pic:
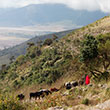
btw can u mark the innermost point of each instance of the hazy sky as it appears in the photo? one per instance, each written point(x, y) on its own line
point(103, 5)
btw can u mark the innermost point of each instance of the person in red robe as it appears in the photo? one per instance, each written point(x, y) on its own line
point(87, 81)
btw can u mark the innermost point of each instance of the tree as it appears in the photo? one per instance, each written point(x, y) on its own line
point(89, 52)
point(48, 42)
point(104, 50)
point(54, 37)
point(30, 44)
point(95, 54)
point(89, 49)
point(34, 51)
point(20, 59)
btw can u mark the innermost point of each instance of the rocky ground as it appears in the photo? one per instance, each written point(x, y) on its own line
point(103, 104)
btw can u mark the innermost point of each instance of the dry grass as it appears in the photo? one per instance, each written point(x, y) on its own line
point(73, 73)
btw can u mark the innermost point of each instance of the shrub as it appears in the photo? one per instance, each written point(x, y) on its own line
point(67, 55)
point(20, 59)
point(33, 51)
point(9, 103)
point(107, 93)
point(68, 40)
point(50, 101)
point(48, 42)
point(16, 84)
point(89, 49)
point(85, 101)
point(13, 76)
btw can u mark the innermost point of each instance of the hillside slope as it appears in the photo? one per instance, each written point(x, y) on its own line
point(55, 62)
point(21, 49)
point(58, 57)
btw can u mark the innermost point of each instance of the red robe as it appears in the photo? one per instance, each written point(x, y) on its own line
point(87, 81)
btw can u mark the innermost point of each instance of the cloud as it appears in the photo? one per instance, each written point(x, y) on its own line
point(90, 5)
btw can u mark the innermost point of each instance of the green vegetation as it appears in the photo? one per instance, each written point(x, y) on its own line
point(44, 64)
point(38, 65)
point(6, 54)
point(95, 55)
point(66, 59)
point(89, 49)
point(85, 101)
point(48, 42)
point(9, 103)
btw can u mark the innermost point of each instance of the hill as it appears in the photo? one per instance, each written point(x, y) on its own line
point(21, 48)
point(54, 62)
point(57, 57)
point(50, 14)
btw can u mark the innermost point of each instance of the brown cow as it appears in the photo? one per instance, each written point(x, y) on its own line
point(54, 89)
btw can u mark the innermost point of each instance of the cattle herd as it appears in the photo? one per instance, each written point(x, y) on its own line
point(38, 94)
point(71, 84)
point(45, 92)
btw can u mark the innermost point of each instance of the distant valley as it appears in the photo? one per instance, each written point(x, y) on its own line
point(11, 36)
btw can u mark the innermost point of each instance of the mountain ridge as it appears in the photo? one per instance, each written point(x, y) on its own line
point(32, 14)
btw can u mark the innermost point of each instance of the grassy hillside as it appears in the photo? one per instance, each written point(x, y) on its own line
point(48, 62)
point(15, 51)
point(54, 62)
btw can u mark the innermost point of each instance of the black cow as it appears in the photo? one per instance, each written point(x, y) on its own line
point(81, 82)
point(20, 96)
point(45, 92)
point(74, 83)
point(35, 95)
point(40, 94)
point(68, 85)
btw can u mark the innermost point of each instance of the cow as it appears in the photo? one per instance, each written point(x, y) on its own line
point(45, 92)
point(74, 83)
point(68, 85)
point(20, 96)
point(81, 82)
point(40, 94)
point(35, 95)
point(54, 89)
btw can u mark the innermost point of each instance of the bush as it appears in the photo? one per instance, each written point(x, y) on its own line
point(85, 101)
point(48, 42)
point(50, 101)
point(16, 84)
point(20, 59)
point(67, 55)
point(89, 48)
point(9, 103)
point(13, 76)
point(103, 76)
point(33, 51)
point(107, 93)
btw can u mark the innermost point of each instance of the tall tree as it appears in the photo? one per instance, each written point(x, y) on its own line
point(95, 54)
point(54, 37)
